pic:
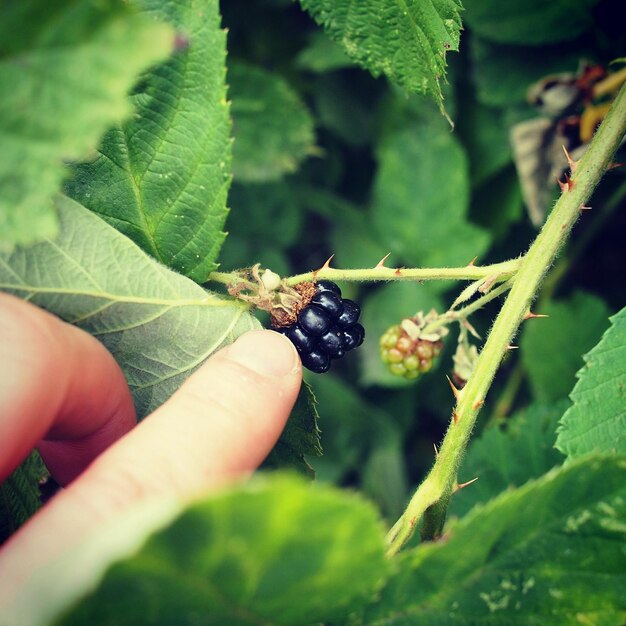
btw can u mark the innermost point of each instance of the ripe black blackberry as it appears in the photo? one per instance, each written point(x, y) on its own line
point(326, 327)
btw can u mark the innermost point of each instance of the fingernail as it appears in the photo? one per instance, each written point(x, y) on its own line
point(265, 352)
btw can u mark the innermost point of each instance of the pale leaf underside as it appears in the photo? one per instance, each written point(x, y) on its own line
point(159, 326)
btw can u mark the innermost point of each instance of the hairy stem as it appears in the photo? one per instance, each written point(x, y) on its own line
point(431, 499)
point(502, 271)
point(508, 395)
point(469, 272)
point(479, 303)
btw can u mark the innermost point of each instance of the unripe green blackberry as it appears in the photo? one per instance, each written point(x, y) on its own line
point(407, 350)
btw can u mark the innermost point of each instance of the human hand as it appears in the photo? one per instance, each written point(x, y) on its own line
point(61, 391)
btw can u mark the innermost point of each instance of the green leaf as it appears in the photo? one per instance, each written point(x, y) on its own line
point(551, 348)
point(159, 325)
point(272, 126)
point(352, 235)
point(352, 428)
point(322, 55)
point(550, 552)
point(503, 74)
point(421, 198)
point(65, 70)
point(529, 22)
point(163, 177)
point(275, 551)
point(301, 436)
point(406, 41)
point(385, 478)
point(497, 203)
point(388, 305)
point(597, 419)
point(509, 456)
point(346, 107)
point(270, 214)
point(19, 495)
point(485, 136)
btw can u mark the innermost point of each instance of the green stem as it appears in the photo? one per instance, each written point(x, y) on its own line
point(433, 495)
point(507, 397)
point(228, 278)
point(553, 280)
point(469, 272)
point(503, 271)
point(479, 303)
point(455, 316)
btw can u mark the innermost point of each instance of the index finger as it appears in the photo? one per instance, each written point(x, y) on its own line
point(61, 390)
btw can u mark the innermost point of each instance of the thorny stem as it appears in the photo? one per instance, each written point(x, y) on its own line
point(431, 499)
point(469, 272)
point(502, 271)
point(557, 273)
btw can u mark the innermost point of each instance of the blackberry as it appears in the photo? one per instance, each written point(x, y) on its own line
point(326, 326)
point(409, 349)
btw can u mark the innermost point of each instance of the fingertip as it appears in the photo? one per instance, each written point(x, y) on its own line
point(265, 352)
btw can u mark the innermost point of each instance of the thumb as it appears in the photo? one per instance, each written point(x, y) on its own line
point(220, 424)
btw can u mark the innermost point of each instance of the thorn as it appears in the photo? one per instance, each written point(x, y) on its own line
point(398, 272)
point(530, 315)
point(568, 185)
point(326, 266)
point(327, 263)
point(584, 208)
point(471, 329)
point(381, 263)
point(512, 347)
point(572, 164)
point(436, 450)
point(471, 263)
point(478, 404)
point(613, 166)
point(455, 417)
point(412, 522)
point(455, 391)
point(460, 486)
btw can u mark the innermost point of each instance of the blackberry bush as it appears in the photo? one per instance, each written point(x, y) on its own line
point(326, 325)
